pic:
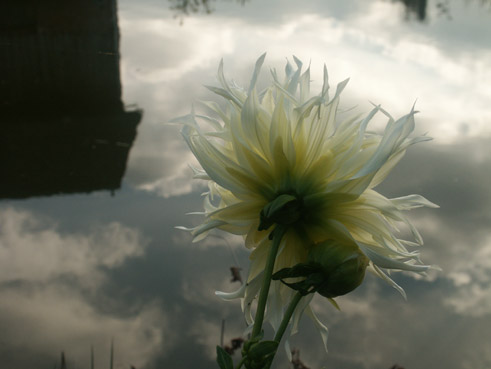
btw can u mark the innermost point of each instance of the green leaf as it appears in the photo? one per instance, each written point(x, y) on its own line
point(263, 350)
point(223, 359)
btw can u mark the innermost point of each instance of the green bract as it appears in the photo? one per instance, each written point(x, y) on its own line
point(284, 210)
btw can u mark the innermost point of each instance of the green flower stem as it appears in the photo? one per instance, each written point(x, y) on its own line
point(286, 318)
point(279, 232)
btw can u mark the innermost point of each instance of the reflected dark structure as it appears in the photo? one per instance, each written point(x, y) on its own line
point(64, 126)
point(415, 8)
point(186, 7)
point(418, 8)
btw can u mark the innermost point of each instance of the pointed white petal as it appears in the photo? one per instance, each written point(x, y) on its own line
point(324, 332)
point(232, 295)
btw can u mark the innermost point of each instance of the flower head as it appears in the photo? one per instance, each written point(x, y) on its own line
point(282, 156)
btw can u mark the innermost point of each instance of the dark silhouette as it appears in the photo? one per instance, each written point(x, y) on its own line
point(64, 127)
point(184, 8)
point(296, 362)
point(415, 7)
point(236, 277)
point(235, 344)
point(63, 362)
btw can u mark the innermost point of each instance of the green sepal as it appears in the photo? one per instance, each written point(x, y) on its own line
point(285, 210)
point(248, 344)
point(263, 350)
point(334, 303)
point(311, 272)
point(309, 285)
point(298, 270)
point(224, 360)
point(260, 355)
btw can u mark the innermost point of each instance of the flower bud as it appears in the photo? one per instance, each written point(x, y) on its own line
point(342, 264)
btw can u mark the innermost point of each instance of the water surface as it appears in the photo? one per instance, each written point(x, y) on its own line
point(95, 180)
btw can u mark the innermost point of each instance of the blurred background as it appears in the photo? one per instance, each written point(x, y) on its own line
point(94, 180)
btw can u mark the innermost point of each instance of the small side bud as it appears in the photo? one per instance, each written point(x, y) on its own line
point(342, 264)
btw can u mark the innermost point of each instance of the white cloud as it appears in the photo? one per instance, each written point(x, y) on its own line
point(464, 254)
point(33, 249)
point(178, 182)
point(59, 319)
point(164, 67)
point(51, 284)
point(472, 280)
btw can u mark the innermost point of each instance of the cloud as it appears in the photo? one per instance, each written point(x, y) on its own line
point(389, 63)
point(472, 280)
point(53, 318)
point(51, 292)
point(442, 64)
point(457, 236)
point(33, 249)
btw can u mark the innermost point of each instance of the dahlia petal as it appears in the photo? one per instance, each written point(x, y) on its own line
point(288, 349)
point(322, 329)
point(386, 168)
point(205, 227)
point(304, 85)
point(232, 295)
point(227, 89)
point(274, 312)
point(390, 263)
point(212, 161)
point(199, 173)
point(412, 202)
point(224, 93)
point(392, 138)
point(302, 305)
point(257, 70)
point(252, 289)
point(325, 84)
point(389, 280)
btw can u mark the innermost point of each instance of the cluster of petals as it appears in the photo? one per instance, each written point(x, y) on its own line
point(282, 140)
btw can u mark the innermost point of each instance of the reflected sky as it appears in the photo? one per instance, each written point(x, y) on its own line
point(79, 270)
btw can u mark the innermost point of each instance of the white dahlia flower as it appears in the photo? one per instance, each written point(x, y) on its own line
point(283, 141)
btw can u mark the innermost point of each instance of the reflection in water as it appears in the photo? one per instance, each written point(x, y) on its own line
point(186, 7)
point(419, 8)
point(62, 290)
point(54, 295)
point(416, 7)
point(64, 125)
